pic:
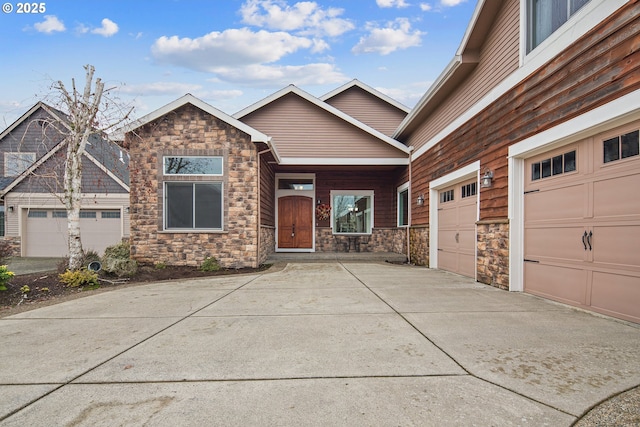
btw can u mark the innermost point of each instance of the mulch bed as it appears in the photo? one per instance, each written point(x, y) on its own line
point(46, 288)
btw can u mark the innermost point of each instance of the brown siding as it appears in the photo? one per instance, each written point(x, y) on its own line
point(267, 191)
point(300, 129)
point(368, 109)
point(595, 70)
point(499, 57)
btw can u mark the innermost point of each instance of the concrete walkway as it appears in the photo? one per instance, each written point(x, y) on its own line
point(312, 344)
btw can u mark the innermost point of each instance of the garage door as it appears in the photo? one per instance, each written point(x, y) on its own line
point(582, 224)
point(45, 232)
point(457, 216)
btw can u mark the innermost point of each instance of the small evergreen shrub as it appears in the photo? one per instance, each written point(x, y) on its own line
point(160, 265)
point(82, 277)
point(5, 276)
point(210, 264)
point(116, 260)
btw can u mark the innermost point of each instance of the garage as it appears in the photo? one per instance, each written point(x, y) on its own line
point(582, 223)
point(45, 231)
point(457, 216)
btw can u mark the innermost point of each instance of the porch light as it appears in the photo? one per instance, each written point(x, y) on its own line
point(487, 179)
point(420, 200)
point(10, 208)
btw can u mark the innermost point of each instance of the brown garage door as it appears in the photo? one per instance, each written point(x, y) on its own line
point(45, 233)
point(582, 224)
point(457, 215)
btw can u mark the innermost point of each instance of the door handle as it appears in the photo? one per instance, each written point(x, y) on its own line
point(584, 240)
point(293, 230)
point(589, 239)
point(457, 237)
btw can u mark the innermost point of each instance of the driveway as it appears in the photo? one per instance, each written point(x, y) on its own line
point(312, 344)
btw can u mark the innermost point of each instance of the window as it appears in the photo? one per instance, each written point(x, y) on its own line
point(352, 212)
point(621, 147)
point(110, 214)
point(37, 214)
point(59, 214)
point(403, 205)
point(16, 163)
point(2, 221)
point(193, 205)
point(446, 196)
point(469, 190)
point(546, 16)
point(88, 214)
point(300, 184)
point(192, 165)
point(556, 165)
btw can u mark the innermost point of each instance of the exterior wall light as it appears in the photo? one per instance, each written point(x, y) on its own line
point(126, 209)
point(11, 209)
point(420, 200)
point(487, 179)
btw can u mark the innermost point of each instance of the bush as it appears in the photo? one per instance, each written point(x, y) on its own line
point(210, 264)
point(5, 276)
point(116, 260)
point(82, 277)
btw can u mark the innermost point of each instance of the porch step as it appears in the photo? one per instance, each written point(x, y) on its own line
point(337, 256)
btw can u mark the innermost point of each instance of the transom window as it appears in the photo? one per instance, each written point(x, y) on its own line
point(16, 163)
point(193, 205)
point(193, 165)
point(446, 196)
point(621, 147)
point(299, 184)
point(556, 165)
point(546, 16)
point(352, 212)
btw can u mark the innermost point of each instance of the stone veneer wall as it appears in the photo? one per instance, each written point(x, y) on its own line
point(419, 238)
point(191, 131)
point(381, 240)
point(14, 243)
point(267, 242)
point(493, 253)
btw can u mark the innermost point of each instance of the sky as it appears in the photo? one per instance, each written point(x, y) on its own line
point(229, 53)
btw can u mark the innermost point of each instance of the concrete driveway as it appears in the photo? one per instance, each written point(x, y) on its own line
point(312, 344)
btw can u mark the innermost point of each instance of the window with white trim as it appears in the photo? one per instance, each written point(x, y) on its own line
point(403, 205)
point(546, 16)
point(16, 163)
point(352, 212)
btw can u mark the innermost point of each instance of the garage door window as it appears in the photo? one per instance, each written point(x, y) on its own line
point(88, 214)
point(621, 147)
point(37, 214)
point(446, 196)
point(556, 165)
point(111, 215)
point(59, 214)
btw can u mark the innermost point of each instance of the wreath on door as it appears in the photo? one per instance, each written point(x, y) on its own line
point(323, 212)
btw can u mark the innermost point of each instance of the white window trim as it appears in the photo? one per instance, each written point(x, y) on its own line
point(365, 193)
point(609, 116)
point(164, 159)
point(192, 230)
point(402, 188)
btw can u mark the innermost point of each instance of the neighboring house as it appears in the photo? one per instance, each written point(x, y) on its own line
point(33, 151)
point(527, 154)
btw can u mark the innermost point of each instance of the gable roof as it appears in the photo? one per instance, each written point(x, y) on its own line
point(292, 89)
point(366, 88)
point(54, 112)
point(256, 136)
point(463, 63)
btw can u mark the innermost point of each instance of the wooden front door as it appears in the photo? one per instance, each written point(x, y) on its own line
point(295, 222)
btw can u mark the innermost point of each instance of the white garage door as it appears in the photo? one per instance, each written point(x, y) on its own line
point(457, 216)
point(582, 224)
point(45, 233)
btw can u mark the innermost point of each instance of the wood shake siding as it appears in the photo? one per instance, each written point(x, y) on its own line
point(267, 191)
point(368, 109)
point(498, 57)
point(598, 68)
point(300, 129)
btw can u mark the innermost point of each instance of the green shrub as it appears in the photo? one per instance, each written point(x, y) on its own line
point(116, 260)
point(160, 265)
point(5, 276)
point(210, 264)
point(82, 277)
point(119, 250)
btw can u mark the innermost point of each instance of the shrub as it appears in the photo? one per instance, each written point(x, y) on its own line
point(116, 260)
point(5, 276)
point(82, 277)
point(210, 264)
point(160, 265)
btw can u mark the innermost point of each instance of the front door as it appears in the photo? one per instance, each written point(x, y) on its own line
point(295, 222)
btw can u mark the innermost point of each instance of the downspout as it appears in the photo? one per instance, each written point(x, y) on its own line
point(410, 196)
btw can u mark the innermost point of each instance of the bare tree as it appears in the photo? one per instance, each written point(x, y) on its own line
point(83, 109)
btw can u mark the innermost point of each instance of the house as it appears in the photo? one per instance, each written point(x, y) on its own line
point(34, 221)
point(266, 172)
point(526, 157)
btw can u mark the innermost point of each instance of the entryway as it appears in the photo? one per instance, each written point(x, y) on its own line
point(295, 222)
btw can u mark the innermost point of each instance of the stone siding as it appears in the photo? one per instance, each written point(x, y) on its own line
point(14, 245)
point(380, 240)
point(267, 242)
point(189, 131)
point(419, 238)
point(493, 253)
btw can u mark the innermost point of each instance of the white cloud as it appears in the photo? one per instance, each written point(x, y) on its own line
point(51, 24)
point(108, 28)
point(392, 3)
point(282, 75)
point(397, 35)
point(303, 17)
point(409, 94)
point(230, 48)
point(425, 7)
point(451, 3)
point(160, 88)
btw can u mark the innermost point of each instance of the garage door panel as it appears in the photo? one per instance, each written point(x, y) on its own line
point(555, 282)
point(447, 260)
point(467, 214)
point(617, 197)
point(616, 295)
point(467, 240)
point(467, 264)
point(447, 218)
point(447, 240)
point(560, 203)
point(557, 243)
point(617, 245)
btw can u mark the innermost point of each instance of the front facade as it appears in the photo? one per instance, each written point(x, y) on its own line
point(540, 130)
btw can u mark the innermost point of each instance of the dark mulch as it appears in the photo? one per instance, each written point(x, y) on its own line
point(46, 289)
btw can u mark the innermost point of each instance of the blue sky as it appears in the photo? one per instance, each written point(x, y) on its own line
point(229, 53)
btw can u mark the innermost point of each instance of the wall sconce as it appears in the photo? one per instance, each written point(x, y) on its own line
point(319, 202)
point(126, 209)
point(487, 179)
point(420, 200)
point(11, 209)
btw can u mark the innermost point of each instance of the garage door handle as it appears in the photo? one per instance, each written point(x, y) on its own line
point(584, 240)
point(457, 237)
point(589, 239)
